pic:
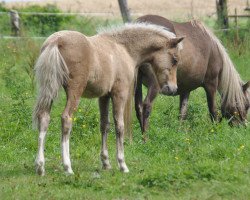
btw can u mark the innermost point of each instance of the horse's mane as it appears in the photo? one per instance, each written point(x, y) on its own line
point(230, 83)
point(114, 29)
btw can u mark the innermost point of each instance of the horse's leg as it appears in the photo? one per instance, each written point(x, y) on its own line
point(147, 104)
point(43, 123)
point(184, 105)
point(104, 128)
point(210, 88)
point(73, 99)
point(138, 100)
point(118, 101)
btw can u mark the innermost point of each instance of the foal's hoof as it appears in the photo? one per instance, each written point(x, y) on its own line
point(69, 172)
point(40, 170)
point(106, 167)
point(124, 170)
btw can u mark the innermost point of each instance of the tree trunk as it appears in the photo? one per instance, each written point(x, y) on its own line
point(124, 10)
point(221, 6)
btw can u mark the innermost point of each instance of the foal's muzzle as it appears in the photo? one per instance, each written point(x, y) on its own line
point(169, 89)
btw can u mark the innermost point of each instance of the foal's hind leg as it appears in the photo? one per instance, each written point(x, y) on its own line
point(104, 128)
point(119, 100)
point(73, 99)
point(184, 105)
point(43, 123)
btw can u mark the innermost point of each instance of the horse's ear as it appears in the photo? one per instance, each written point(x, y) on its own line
point(246, 86)
point(172, 43)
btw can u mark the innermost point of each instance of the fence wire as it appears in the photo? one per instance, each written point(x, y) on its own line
point(39, 25)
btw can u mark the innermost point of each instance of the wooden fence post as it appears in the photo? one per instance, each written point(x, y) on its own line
point(221, 6)
point(236, 27)
point(15, 22)
point(124, 10)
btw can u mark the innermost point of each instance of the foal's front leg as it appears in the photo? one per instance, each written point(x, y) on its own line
point(104, 128)
point(119, 101)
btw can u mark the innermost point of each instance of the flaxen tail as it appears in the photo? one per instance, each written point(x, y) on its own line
point(51, 73)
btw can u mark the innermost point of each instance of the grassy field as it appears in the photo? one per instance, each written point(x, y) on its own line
point(194, 159)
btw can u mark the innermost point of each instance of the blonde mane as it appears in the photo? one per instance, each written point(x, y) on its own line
point(118, 29)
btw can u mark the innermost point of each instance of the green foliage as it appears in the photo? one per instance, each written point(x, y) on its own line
point(4, 20)
point(43, 25)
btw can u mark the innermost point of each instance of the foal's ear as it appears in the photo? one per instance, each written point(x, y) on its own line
point(246, 86)
point(172, 43)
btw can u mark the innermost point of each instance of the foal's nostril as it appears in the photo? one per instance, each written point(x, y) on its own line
point(169, 89)
point(175, 89)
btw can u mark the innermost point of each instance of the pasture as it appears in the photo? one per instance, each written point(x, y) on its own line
point(194, 159)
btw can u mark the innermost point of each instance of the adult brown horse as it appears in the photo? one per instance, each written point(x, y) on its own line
point(102, 66)
point(203, 62)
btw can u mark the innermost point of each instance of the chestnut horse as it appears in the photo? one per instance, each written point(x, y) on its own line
point(103, 66)
point(203, 62)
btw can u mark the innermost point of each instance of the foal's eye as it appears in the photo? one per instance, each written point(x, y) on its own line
point(174, 61)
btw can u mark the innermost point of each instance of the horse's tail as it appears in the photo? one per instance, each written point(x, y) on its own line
point(230, 83)
point(51, 73)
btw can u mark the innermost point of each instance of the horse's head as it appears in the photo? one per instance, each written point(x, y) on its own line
point(246, 91)
point(164, 62)
point(235, 114)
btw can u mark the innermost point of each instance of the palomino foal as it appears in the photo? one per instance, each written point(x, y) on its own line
point(102, 66)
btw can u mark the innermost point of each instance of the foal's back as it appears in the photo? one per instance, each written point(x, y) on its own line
point(92, 59)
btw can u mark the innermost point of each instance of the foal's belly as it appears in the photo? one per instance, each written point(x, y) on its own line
point(96, 90)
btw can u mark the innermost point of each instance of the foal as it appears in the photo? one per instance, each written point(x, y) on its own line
point(103, 66)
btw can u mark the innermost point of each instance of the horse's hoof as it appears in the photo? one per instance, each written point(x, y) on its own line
point(144, 139)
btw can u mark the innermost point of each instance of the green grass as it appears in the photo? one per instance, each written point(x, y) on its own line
point(194, 159)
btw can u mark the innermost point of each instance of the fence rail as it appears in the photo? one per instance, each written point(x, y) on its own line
point(70, 14)
point(44, 37)
point(241, 16)
point(108, 14)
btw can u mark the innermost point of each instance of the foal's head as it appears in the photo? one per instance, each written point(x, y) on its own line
point(238, 114)
point(164, 61)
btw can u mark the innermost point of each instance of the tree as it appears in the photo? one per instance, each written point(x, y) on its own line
point(221, 6)
point(124, 10)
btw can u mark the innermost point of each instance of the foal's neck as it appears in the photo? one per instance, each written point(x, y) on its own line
point(138, 42)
